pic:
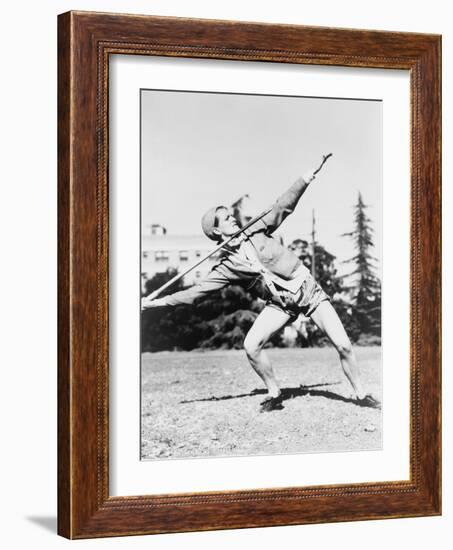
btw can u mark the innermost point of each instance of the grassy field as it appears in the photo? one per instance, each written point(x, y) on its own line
point(199, 404)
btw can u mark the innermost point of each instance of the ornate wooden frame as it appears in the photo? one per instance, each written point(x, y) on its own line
point(85, 41)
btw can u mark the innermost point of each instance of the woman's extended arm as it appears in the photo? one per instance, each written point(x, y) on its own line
point(215, 280)
point(287, 202)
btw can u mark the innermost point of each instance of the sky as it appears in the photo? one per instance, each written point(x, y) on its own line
point(204, 149)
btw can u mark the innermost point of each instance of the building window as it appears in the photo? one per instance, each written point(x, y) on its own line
point(161, 255)
point(183, 255)
point(157, 229)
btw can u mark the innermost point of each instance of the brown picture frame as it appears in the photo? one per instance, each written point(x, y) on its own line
point(85, 42)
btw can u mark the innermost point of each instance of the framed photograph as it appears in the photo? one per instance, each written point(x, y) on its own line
point(249, 275)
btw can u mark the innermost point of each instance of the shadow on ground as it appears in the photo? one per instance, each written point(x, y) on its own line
point(291, 393)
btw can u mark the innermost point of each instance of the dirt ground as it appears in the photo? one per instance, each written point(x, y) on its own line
point(199, 404)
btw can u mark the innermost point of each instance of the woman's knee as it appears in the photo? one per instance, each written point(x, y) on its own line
point(252, 346)
point(344, 348)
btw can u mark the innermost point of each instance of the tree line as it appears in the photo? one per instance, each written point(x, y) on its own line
point(222, 319)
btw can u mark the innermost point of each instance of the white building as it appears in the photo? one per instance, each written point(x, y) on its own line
point(161, 251)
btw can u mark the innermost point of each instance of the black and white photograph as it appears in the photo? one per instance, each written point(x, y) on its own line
point(260, 274)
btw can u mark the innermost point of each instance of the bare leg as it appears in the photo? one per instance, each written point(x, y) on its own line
point(326, 318)
point(268, 322)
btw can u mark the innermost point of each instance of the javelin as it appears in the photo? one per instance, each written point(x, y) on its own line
point(223, 244)
point(156, 293)
point(324, 159)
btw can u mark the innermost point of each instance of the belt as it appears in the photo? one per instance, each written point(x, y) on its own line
point(292, 285)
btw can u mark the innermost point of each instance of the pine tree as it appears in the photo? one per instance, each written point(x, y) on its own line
point(365, 286)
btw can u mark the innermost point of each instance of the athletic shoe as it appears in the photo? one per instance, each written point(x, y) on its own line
point(272, 404)
point(368, 401)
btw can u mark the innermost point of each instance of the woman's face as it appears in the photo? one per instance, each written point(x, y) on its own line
point(226, 223)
